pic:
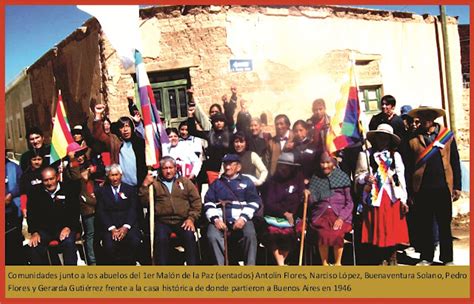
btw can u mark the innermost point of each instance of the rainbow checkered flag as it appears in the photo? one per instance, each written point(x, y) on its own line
point(345, 128)
point(61, 133)
point(155, 134)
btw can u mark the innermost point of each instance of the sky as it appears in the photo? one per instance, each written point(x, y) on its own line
point(30, 31)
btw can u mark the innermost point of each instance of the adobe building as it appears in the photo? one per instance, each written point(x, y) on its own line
point(281, 59)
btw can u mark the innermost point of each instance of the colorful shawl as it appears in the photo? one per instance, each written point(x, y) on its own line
point(384, 161)
point(443, 137)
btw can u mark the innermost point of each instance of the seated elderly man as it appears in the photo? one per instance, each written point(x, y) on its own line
point(241, 200)
point(53, 214)
point(117, 213)
point(177, 208)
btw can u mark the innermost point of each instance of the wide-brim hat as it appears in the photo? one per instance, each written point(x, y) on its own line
point(416, 112)
point(383, 129)
point(287, 159)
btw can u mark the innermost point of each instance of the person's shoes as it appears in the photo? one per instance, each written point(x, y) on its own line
point(449, 264)
point(384, 263)
point(393, 259)
point(423, 263)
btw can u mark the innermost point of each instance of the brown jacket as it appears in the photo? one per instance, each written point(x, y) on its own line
point(273, 152)
point(87, 200)
point(113, 144)
point(173, 208)
point(111, 141)
point(417, 146)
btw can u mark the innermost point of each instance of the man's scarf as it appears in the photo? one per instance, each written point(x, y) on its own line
point(321, 187)
point(443, 137)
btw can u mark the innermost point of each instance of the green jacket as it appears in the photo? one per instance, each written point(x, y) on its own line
point(173, 208)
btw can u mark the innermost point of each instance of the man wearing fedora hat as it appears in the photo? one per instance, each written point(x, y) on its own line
point(435, 182)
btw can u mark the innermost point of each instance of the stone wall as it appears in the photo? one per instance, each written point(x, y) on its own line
point(299, 54)
point(463, 127)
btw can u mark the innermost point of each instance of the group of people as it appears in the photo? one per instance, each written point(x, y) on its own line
point(398, 187)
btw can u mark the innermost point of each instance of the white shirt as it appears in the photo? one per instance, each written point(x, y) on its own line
point(194, 143)
point(284, 139)
point(185, 158)
point(55, 191)
point(393, 192)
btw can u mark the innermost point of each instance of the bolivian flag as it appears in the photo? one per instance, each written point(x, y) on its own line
point(61, 133)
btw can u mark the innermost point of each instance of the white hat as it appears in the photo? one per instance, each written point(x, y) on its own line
point(383, 129)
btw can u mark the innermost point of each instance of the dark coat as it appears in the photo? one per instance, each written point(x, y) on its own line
point(44, 151)
point(52, 215)
point(280, 196)
point(396, 122)
point(112, 213)
point(219, 145)
point(307, 155)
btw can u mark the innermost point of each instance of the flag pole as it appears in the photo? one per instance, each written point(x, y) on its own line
point(364, 140)
point(151, 210)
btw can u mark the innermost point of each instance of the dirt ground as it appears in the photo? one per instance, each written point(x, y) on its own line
point(460, 229)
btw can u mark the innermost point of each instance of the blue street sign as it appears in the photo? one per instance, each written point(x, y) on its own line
point(240, 65)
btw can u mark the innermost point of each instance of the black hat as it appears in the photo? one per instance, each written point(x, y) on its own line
point(218, 117)
point(239, 135)
point(287, 158)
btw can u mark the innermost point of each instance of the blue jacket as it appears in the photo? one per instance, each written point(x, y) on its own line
point(242, 196)
point(12, 185)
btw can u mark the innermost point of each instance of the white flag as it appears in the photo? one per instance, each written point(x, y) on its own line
point(120, 24)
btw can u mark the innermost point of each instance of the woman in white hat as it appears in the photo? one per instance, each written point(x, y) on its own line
point(380, 172)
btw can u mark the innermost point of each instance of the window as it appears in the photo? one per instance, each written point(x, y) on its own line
point(369, 97)
point(9, 131)
point(369, 79)
point(169, 89)
point(18, 121)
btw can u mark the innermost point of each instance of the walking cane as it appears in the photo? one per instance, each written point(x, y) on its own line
point(226, 257)
point(303, 228)
point(151, 210)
